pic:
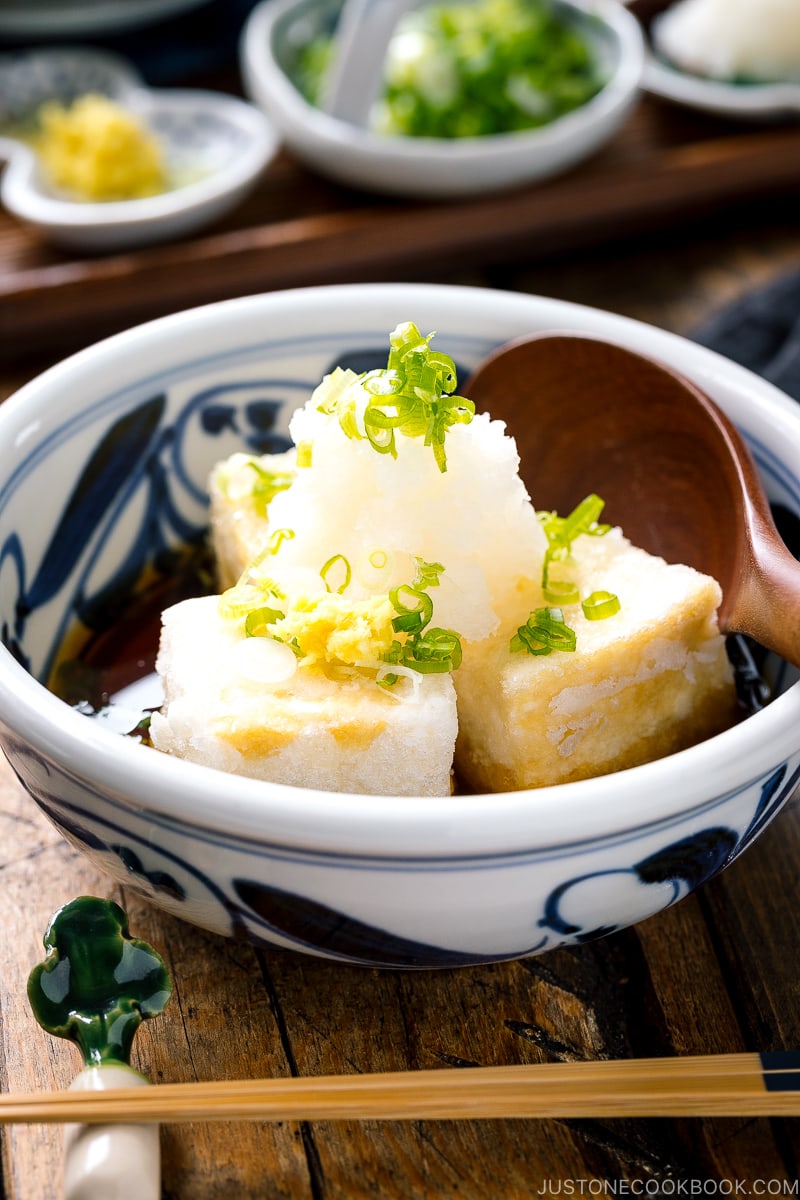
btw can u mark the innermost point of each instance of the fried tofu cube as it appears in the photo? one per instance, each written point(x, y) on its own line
point(241, 488)
point(648, 681)
point(238, 704)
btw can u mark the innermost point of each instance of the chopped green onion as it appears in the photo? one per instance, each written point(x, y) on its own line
point(411, 396)
point(268, 484)
point(237, 601)
point(337, 561)
point(561, 532)
point(293, 645)
point(544, 631)
point(561, 591)
point(438, 650)
point(467, 70)
point(251, 574)
point(600, 605)
point(246, 595)
point(414, 616)
point(428, 651)
point(395, 654)
point(379, 427)
point(303, 458)
point(341, 401)
point(258, 619)
point(582, 519)
point(375, 569)
point(427, 574)
point(277, 539)
point(434, 652)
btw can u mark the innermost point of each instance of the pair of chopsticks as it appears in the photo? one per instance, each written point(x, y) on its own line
point(723, 1085)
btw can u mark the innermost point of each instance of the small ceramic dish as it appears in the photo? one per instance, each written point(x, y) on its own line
point(49, 18)
point(436, 167)
point(217, 142)
point(753, 101)
point(104, 463)
point(737, 100)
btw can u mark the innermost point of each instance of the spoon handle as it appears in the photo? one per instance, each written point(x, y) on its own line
point(356, 71)
point(766, 603)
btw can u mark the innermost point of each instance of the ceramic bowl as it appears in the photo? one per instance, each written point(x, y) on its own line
point(218, 143)
point(49, 18)
point(103, 468)
point(740, 101)
point(435, 167)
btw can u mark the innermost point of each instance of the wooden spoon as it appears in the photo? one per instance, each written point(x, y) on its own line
point(591, 416)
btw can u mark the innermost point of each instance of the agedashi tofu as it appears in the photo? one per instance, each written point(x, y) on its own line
point(241, 489)
point(650, 680)
point(234, 708)
point(395, 617)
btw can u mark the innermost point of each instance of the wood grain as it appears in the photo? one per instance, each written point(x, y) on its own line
point(719, 1085)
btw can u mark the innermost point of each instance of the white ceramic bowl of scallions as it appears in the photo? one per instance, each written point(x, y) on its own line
point(477, 96)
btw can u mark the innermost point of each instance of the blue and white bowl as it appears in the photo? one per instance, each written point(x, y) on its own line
point(103, 467)
point(215, 146)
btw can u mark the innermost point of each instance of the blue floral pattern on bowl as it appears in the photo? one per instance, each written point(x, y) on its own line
point(127, 487)
point(250, 893)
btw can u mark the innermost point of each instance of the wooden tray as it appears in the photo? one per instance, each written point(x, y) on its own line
point(665, 165)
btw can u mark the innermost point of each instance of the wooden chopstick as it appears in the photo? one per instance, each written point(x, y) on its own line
point(723, 1085)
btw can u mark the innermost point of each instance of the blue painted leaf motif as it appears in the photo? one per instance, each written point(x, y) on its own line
point(692, 860)
point(160, 881)
point(262, 416)
point(12, 549)
point(254, 424)
point(315, 925)
point(81, 835)
point(106, 472)
point(553, 917)
point(81, 829)
point(218, 417)
point(774, 794)
point(684, 864)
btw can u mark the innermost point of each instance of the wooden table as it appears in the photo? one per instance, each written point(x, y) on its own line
point(717, 973)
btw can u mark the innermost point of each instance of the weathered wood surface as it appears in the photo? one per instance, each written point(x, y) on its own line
point(719, 972)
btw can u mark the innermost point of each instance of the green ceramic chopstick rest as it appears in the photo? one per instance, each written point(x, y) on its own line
point(95, 987)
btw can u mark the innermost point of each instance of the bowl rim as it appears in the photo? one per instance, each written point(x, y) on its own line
point(756, 99)
point(389, 827)
point(260, 64)
point(761, 101)
point(87, 17)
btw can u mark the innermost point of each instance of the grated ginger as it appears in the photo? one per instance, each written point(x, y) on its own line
point(99, 151)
